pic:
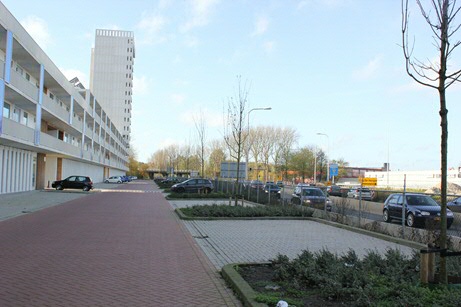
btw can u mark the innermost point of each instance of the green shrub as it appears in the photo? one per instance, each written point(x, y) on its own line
point(376, 280)
point(213, 195)
point(240, 211)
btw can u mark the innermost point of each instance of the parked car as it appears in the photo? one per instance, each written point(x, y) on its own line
point(114, 179)
point(355, 193)
point(74, 182)
point(133, 177)
point(419, 209)
point(256, 184)
point(272, 188)
point(455, 205)
point(280, 183)
point(171, 180)
point(334, 190)
point(125, 179)
point(312, 197)
point(195, 185)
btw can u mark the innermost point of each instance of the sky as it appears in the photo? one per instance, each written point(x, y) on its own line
point(334, 67)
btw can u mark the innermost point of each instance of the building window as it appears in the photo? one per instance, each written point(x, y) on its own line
point(25, 118)
point(19, 70)
point(27, 77)
point(16, 115)
point(6, 110)
point(51, 96)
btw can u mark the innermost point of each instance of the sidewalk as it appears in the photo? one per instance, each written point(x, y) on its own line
point(123, 247)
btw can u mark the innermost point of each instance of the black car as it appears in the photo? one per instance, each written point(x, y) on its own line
point(74, 182)
point(312, 197)
point(334, 190)
point(272, 188)
point(455, 205)
point(420, 209)
point(196, 185)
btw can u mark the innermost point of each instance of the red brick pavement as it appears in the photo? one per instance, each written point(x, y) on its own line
point(106, 249)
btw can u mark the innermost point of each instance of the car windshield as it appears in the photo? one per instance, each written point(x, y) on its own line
point(312, 192)
point(420, 200)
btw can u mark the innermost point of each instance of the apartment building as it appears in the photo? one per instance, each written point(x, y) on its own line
point(50, 128)
point(111, 77)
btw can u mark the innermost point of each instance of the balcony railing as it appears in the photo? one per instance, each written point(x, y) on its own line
point(17, 131)
point(54, 108)
point(24, 86)
point(56, 144)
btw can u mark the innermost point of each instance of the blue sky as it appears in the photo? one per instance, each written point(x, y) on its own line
point(329, 66)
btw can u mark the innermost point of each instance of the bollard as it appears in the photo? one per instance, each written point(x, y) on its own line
point(427, 266)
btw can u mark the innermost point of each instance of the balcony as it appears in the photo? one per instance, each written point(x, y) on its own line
point(17, 132)
point(53, 107)
point(24, 86)
point(57, 145)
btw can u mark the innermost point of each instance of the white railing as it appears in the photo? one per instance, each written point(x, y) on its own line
point(54, 108)
point(17, 131)
point(57, 145)
point(23, 85)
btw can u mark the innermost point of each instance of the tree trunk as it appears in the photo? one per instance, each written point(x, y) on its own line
point(444, 146)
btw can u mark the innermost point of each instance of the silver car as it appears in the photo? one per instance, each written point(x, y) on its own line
point(355, 193)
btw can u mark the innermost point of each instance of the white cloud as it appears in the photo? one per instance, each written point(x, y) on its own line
point(200, 11)
point(140, 85)
point(72, 73)
point(261, 25)
point(152, 23)
point(369, 70)
point(269, 46)
point(38, 29)
point(191, 41)
point(177, 99)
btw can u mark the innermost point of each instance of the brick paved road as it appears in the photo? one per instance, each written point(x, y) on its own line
point(115, 248)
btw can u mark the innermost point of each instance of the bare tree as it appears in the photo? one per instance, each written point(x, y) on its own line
point(235, 126)
point(217, 156)
point(267, 148)
point(288, 140)
point(438, 76)
point(200, 125)
point(172, 153)
point(256, 135)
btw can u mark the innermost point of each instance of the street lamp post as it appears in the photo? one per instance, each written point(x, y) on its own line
point(328, 153)
point(248, 129)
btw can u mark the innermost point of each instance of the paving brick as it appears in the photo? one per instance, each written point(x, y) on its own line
point(123, 247)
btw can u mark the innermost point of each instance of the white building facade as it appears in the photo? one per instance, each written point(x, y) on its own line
point(49, 128)
point(414, 179)
point(112, 64)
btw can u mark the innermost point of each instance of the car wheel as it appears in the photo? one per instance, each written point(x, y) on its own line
point(86, 188)
point(181, 190)
point(59, 187)
point(410, 220)
point(119, 181)
point(207, 190)
point(107, 181)
point(386, 217)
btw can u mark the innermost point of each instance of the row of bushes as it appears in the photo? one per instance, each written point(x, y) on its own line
point(240, 211)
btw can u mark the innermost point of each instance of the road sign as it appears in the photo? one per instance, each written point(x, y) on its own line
point(333, 169)
point(368, 181)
